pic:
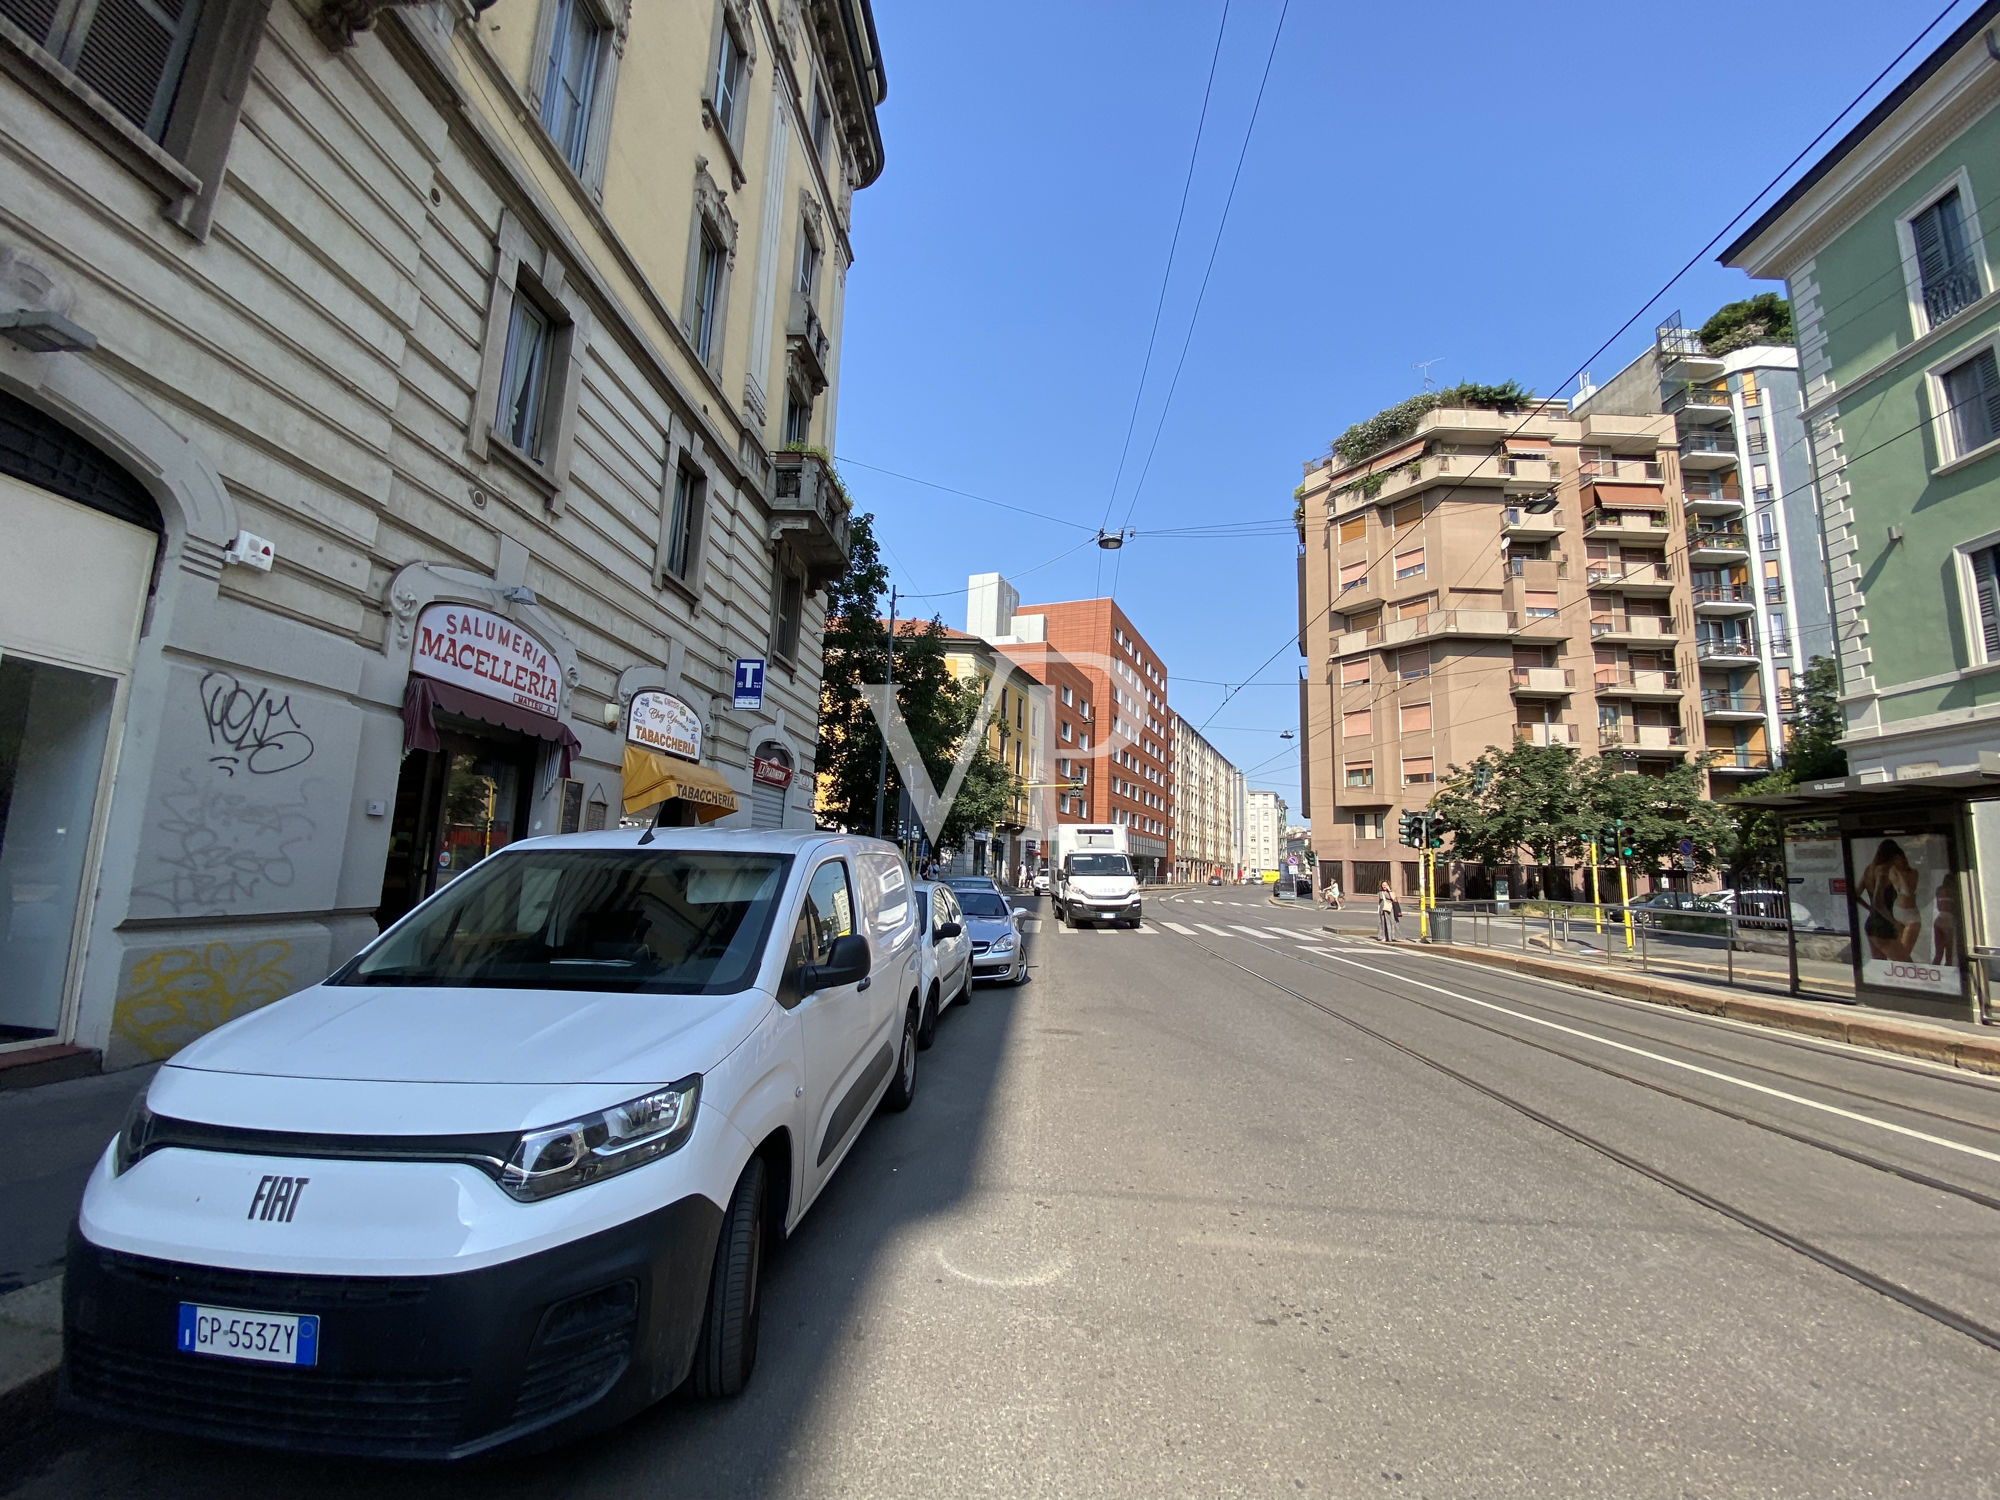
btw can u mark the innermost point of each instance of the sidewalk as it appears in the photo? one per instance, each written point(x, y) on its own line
point(55, 1133)
point(1960, 1044)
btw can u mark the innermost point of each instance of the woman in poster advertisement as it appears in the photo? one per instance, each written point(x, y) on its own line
point(1887, 892)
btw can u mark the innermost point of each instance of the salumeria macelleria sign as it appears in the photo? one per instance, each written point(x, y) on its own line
point(471, 648)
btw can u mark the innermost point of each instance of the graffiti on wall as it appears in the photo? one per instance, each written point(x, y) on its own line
point(220, 847)
point(177, 994)
point(251, 727)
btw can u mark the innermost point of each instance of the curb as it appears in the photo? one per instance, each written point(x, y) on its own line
point(1974, 1054)
point(30, 1355)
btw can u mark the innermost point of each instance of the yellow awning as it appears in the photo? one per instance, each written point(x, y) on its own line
point(651, 777)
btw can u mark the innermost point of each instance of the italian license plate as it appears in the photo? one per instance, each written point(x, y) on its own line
point(232, 1333)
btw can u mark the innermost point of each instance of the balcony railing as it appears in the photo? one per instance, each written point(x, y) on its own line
point(1774, 593)
point(1620, 468)
point(1713, 648)
point(1718, 535)
point(1720, 701)
point(1544, 679)
point(1950, 294)
point(1517, 567)
point(1707, 442)
point(1643, 736)
point(1653, 627)
point(1639, 680)
point(812, 512)
point(1724, 593)
point(1597, 518)
point(1545, 734)
point(1528, 466)
point(1518, 518)
point(1696, 395)
point(1742, 760)
point(1636, 575)
point(1437, 622)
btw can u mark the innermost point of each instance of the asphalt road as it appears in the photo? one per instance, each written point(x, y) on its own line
point(1168, 1220)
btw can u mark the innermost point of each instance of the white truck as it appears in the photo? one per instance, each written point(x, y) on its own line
point(1093, 879)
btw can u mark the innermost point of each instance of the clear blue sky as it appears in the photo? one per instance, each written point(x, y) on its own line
point(1493, 188)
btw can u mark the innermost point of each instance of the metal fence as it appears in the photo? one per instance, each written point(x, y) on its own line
point(1712, 946)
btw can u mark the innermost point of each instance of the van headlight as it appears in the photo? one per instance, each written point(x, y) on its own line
point(561, 1157)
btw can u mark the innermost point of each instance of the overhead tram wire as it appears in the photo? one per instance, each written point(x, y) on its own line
point(1215, 246)
point(1167, 272)
point(968, 495)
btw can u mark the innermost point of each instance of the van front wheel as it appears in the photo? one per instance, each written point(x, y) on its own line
point(727, 1352)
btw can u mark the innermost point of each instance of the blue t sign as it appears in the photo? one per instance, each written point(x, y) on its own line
point(749, 682)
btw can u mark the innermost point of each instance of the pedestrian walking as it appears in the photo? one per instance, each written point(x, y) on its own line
point(1389, 913)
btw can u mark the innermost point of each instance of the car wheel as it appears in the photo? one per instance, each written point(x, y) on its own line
point(965, 989)
point(927, 1028)
point(1020, 973)
point(727, 1351)
point(903, 1088)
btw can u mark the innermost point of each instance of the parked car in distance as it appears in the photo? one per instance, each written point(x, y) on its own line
point(1215, 880)
point(1041, 882)
point(973, 883)
point(507, 1175)
point(944, 954)
point(1763, 908)
point(998, 949)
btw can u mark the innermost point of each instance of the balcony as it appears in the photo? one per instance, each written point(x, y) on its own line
point(1362, 593)
point(1680, 349)
point(1774, 593)
point(1724, 598)
point(1717, 542)
point(1540, 572)
point(1538, 682)
point(1613, 630)
point(1708, 450)
point(1721, 704)
point(1545, 734)
point(1633, 578)
point(1488, 624)
point(1657, 738)
point(1625, 682)
point(807, 340)
point(1950, 294)
point(1742, 763)
point(1720, 500)
point(811, 514)
point(1621, 471)
point(1526, 473)
point(1525, 526)
point(1698, 403)
point(1726, 650)
point(1650, 524)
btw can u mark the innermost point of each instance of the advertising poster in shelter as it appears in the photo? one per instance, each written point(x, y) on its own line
point(1816, 877)
point(1906, 905)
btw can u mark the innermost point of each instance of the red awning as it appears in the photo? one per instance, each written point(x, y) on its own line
point(423, 697)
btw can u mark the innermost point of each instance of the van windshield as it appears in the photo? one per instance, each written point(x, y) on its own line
point(1099, 864)
point(671, 922)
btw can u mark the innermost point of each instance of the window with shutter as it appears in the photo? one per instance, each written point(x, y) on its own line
point(1986, 599)
point(1354, 673)
point(1353, 530)
point(1416, 718)
point(1972, 402)
point(130, 51)
point(1418, 769)
point(1407, 514)
point(1944, 269)
point(1410, 564)
point(1353, 575)
point(1355, 725)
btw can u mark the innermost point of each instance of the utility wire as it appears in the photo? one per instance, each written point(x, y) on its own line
point(967, 494)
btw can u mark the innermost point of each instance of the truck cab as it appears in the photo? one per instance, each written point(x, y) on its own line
point(1093, 879)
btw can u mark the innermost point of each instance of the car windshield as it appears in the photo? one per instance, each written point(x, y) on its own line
point(983, 904)
point(1099, 864)
point(671, 922)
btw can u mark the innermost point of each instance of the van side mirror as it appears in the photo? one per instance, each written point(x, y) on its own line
point(847, 962)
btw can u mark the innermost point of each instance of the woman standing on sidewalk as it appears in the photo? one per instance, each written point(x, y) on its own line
point(1389, 914)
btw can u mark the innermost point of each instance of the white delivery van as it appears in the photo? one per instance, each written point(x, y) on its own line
point(1093, 875)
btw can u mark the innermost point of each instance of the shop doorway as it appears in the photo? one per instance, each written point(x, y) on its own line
point(455, 806)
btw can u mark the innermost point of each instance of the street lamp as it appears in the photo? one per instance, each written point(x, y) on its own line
point(1111, 541)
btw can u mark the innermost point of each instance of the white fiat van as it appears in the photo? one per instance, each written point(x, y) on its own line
point(510, 1173)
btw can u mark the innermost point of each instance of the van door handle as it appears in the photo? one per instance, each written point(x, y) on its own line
point(864, 984)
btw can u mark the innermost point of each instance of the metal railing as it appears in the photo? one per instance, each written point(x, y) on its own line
point(1718, 534)
point(1648, 627)
point(1640, 679)
point(1724, 593)
point(1718, 701)
point(1708, 442)
point(1597, 518)
point(1950, 294)
point(1545, 734)
point(1635, 574)
point(1620, 468)
point(1695, 395)
point(1730, 759)
point(1708, 647)
point(1702, 941)
point(1643, 736)
point(1545, 679)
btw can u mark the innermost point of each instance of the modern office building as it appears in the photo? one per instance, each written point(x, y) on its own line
point(402, 415)
point(1209, 808)
point(1471, 576)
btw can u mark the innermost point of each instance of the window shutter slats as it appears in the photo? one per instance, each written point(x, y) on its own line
point(1928, 228)
point(132, 55)
point(1986, 587)
point(36, 17)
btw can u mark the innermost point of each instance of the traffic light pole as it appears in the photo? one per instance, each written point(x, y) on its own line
point(1596, 898)
point(1625, 901)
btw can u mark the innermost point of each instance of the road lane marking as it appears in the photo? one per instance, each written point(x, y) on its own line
point(1176, 927)
point(1216, 930)
point(1674, 1062)
point(1251, 931)
point(1280, 932)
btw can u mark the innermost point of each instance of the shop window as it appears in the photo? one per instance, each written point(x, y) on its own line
point(531, 364)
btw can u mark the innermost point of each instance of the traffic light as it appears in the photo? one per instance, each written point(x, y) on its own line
point(1406, 829)
point(1436, 840)
point(1618, 835)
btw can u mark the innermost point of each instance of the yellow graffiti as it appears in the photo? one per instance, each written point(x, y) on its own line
point(177, 994)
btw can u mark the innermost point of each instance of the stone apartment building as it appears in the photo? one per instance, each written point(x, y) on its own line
point(1263, 833)
point(1484, 578)
point(392, 405)
point(1209, 808)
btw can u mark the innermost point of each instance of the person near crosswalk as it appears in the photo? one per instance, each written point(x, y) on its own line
point(1333, 894)
point(1389, 913)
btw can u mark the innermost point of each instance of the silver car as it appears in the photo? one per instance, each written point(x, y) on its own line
point(944, 952)
point(999, 951)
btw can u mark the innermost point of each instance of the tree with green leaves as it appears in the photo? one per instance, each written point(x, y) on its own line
point(1658, 812)
point(938, 709)
point(1763, 319)
point(1505, 801)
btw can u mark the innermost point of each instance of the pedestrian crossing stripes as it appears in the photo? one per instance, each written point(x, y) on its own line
point(1248, 931)
point(1176, 927)
point(1217, 931)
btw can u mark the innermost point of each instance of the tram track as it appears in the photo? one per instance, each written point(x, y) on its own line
point(1819, 1254)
